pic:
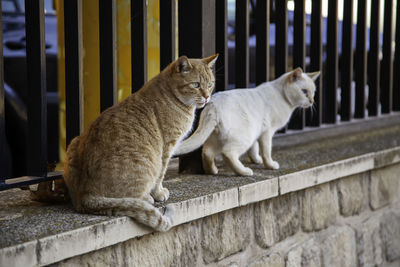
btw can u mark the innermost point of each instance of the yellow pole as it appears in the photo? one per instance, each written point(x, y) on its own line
point(91, 60)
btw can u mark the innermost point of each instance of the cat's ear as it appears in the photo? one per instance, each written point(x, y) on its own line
point(314, 75)
point(183, 65)
point(295, 74)
point(210, 61)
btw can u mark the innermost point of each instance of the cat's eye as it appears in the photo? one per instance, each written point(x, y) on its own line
point(210, 85)
point(195, 85)
point(304, 91)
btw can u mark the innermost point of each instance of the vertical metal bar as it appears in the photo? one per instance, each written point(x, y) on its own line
point(196, 39)
point(190, 28)
point(387, 60)
point(331, 63)
point(297, 121)
point(346, 66)
point(299, 28)
point(281, 39)
point(73, 68)
point(196, 28)
point(167, 32)
point(3, 142)
point(36, 75)
point(242, 44)
point(315, 118)
point(373, 60)
point(396, 67)
point(221, 45)
point(262, 41)
point(108, 59)
point(139, 43)
point(361, 59)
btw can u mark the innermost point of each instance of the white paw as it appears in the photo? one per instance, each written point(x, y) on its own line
point(256, 160)
point(273, 165)
point(161, 195)
point(246, 172)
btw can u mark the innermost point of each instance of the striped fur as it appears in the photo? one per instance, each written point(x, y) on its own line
point(118, 164)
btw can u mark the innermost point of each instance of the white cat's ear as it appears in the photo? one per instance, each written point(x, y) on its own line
point(210, 61)
point(295, 74)
point(183, 65)
point(314, 75)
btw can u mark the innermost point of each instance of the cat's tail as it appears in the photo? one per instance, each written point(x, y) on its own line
point(141, 210)
point(207, 124)
point(72, 170)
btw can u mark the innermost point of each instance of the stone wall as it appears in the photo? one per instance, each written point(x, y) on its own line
point(352, 221)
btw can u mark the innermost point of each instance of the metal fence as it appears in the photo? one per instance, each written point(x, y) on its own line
point(202, 31)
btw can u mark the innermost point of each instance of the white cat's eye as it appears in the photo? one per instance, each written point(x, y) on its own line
point(210, 85)
point(304, 91)
point(195, 85)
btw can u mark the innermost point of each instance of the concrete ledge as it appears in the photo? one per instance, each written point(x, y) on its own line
point(195, 197)
point(62, 246)
point(258, 191)
point(322, 174)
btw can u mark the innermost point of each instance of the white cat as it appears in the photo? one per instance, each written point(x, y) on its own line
point(244, 120)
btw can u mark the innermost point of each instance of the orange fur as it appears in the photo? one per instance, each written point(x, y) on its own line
point(118, 164)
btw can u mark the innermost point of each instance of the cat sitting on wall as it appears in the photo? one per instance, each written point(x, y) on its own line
point(240, 121)
point(117, 166)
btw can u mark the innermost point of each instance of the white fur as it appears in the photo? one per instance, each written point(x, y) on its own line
point(244, 120)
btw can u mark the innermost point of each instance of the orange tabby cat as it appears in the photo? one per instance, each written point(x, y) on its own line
point(116, 167)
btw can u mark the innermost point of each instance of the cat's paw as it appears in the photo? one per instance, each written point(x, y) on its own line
point(256, 160)
point(149, 199)
point(167, 218)
point(161, 195)
point(246, 172)
point(273, 165)
point(213, 170)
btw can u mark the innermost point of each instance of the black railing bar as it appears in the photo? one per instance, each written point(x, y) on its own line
point(262, 41)
point(73, 68)
point(346, 70)
point(361, 59)
point(36, 78)
point(281, 37)
point(108, 51)
point(281, 40)
point(221, 44)
point(396, 65)
point(330, 92)
point(167, 32)
point(387, 59)
point(316, 62)
point(297, 121)
point(242, 59)
point(138, 43)
point(29, 180)
point(3, 161)
point(373, 60)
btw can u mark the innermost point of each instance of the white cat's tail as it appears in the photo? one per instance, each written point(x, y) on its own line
point(139, 209)
point(207, 124)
